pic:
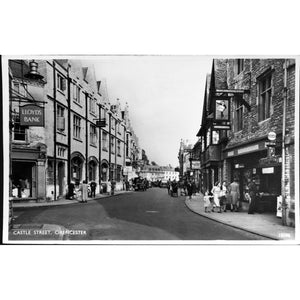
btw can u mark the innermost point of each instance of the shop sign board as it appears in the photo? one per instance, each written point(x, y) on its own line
point(239, 166)
point(221, 127)
point(269, 170)
point(222, 109)
point(196, 165)
point(31, 115)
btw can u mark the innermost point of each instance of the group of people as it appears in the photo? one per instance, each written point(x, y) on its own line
point(187, 187)
point(225, 197)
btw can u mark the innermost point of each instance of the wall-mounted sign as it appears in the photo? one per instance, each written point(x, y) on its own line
point(239, 166)
point(221, 127)
point(271, 136)
point(31, 115)
point(196, 165)
point(222, 110)
point(268, 170)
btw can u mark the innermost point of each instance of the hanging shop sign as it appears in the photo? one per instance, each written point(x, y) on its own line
point(269, 170)
point(272, 160)
point(239, 166)
point(196, 165)
point(222, 109)
point(32, 115)
point(221, 127)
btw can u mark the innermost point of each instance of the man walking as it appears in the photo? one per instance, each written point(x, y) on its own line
point(93, 189)
point(252, 192)
point(234, 193)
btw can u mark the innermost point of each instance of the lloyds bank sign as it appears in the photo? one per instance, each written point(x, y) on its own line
point(32, 115)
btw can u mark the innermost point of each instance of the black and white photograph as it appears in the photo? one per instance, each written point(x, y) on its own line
point(149, 149)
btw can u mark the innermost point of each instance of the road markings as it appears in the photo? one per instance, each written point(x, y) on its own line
point(152, 211)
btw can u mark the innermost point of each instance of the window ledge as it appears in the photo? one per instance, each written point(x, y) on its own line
point(77, 103)
point(264, 121)
point(93, 145)
point(61, 92)
point(77, 139)
point(61, 133)
point(105, 149)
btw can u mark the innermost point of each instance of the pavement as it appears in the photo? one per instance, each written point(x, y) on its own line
point(62, 201)
point(264, 224)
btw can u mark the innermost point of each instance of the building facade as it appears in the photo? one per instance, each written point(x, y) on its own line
point(83, 136)
point(247, 129)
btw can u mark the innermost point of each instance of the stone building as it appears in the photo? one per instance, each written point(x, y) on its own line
point(247, 129)
point(84, 135)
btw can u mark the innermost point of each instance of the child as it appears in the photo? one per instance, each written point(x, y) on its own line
point(207, 203)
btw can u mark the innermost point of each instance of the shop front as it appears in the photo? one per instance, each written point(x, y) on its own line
point(266, 172)
point(28, 173)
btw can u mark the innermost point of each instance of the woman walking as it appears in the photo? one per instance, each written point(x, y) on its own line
point(84, 191)
point(223, 196)
point(216, 190)
point(234, 192)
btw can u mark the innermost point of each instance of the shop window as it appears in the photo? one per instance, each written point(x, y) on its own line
point(104, 169)
point(93, 135)
point(76, 164)
point(104, 141)
point(92, 170)
point(265, 97)
point(76, 127)
point(118, 175)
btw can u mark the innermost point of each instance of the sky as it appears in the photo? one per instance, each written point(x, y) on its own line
point(165, 97)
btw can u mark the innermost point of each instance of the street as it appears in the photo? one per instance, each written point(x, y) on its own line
point(149, 215)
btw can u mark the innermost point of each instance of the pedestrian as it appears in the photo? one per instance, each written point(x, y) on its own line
point(194, 188)
point(216, 190)
point(189, 188)
point(71, 190)
point(207, 204)
point(234, 194)
point(253, 194)
point(127, 185)
point(223, 196)
point(169, 187)
point(93, 188)
point(84, 191)
point(113, 186)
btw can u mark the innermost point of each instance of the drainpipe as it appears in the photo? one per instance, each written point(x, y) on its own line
point(284, 204)
point(54, 128)
point(86, 137)
point(100, 168)
point(69, 129)
point(109, 148)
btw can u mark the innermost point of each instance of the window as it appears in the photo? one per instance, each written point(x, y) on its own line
point(92, 105)
point(93, 134)
point(61, 84)
point(61, 151)
point(239, 65)
point(118, 175)
point(215, 137)
point(60, 115)
point(21, 89)
point(112, 144)
point(92, 170)
point(119, 148)
point(104, 141)
point(19, 132)
point(76, 93)
point(208, 137)
point(127, 145)
point(238, 117)
point(265, 97)
point(76, 127)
